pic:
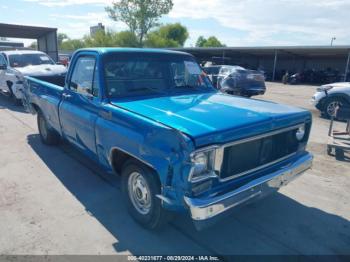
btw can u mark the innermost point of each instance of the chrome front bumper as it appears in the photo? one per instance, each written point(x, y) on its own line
point(203, 209)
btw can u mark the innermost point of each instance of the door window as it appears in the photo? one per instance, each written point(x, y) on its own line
point(82, 80)
point(2, 60)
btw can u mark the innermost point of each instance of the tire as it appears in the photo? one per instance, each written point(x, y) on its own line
point(140, 187)
point(48, 136)
point(330, 104)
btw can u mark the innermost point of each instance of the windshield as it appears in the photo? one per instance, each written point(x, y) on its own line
point(22, 60)
point(133, 74)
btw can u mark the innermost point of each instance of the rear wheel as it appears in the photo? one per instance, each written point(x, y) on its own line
point(48, 135)
point(140, 187)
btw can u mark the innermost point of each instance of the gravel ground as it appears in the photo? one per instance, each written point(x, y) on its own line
point(52, 201)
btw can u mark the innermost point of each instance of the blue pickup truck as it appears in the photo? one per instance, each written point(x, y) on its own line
point(154, 118)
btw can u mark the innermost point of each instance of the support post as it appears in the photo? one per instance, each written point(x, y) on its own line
point(274, 66)
point(347, 67)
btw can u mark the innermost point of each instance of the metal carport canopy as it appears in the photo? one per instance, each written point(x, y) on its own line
point(24, 31)
point(46, 36)
point(304, 51)
point(339, 51)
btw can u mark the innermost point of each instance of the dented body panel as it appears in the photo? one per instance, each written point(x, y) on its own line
point(164, 131)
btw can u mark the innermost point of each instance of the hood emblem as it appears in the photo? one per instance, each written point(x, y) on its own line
point(48, 69)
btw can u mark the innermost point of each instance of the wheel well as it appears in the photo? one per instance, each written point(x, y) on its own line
point(341, 97)
point(119, 158)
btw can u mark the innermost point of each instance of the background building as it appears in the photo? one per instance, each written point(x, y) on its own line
point(96, 28)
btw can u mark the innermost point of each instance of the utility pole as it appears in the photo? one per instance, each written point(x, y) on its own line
point(333, 38)
point(274, 66)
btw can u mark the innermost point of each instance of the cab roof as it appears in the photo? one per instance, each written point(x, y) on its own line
point(106, 50)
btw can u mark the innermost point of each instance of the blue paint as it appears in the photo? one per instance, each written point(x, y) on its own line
point(159, 130)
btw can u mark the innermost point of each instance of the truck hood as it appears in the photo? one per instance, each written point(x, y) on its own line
point(214, 117)
point(41, 70)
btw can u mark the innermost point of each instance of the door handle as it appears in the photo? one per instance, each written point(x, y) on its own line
point(66, 95)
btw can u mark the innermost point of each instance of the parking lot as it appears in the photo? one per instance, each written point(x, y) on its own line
point(53, 201)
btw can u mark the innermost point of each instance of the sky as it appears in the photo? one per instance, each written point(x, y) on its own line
point(233, 22)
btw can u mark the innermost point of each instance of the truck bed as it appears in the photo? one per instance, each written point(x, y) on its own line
point(47, 96)
point(54, 79)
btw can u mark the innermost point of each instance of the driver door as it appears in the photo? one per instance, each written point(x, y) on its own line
point(80, 104)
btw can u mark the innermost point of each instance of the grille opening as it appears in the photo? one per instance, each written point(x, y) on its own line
point(250, 155)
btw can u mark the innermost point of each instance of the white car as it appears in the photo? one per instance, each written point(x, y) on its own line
point(329, 96)
point(14, 65)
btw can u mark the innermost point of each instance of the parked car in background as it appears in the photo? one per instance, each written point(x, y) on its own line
point(16, 64)
point(153, 117)
point(329, 96)
point(64, 59)
point(236, 80)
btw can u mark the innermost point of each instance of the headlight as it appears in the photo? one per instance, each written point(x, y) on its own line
point(202, 165)
point(300, 133)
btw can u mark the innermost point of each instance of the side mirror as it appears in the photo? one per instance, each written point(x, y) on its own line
point(3, 67)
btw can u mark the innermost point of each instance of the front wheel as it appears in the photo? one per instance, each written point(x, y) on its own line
point(48, 136)
point(140, 187)
point(330, 106)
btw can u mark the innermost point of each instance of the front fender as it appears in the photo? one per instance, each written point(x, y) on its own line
point(161, 148)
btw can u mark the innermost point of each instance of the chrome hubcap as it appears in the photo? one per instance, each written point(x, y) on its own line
point(139, 193)
point(331, 108)
point(42, 126)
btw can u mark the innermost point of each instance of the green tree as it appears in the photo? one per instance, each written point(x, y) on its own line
point(201, 41)
point(139, 15)
point(72, 44)
point(212, 41)
point(156, 41)
point(34, 45)
point(170, 35)
point(99, 39)
point(60, 38)
point(126, 39)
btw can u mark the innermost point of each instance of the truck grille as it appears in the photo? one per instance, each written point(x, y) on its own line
point(244, 157)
